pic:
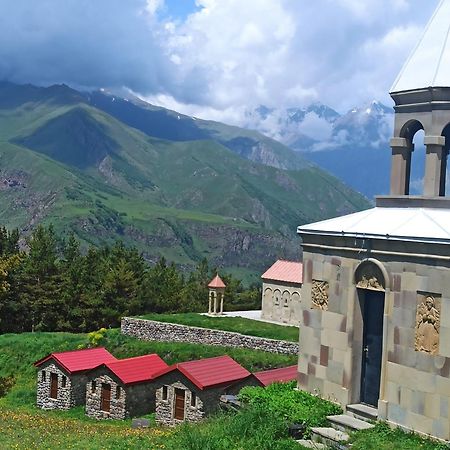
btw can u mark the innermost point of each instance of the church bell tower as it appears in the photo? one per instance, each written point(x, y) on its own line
point(421, 94)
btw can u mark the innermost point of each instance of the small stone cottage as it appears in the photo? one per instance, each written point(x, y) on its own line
point(61, 379)
point(191, 390)
point(281, 297)
point(123, 388)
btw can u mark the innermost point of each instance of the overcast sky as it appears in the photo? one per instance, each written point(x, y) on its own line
point(214, 58)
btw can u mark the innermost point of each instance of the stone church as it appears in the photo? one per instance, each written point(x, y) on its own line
point(375, 311)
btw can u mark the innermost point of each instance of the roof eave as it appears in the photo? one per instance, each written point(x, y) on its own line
point(422, 240)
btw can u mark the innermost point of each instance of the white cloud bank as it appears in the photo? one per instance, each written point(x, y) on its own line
point(226, 56)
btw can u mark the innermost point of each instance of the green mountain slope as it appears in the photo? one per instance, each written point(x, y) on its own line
point(62, 160)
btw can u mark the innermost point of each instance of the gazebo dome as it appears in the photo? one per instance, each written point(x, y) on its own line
point(217, 283)
point(429, 63)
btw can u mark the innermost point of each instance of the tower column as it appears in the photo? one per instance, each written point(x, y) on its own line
point(434, 159)
point(401, 166)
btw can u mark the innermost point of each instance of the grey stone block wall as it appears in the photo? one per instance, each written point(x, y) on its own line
point(93, 399)
point(70, 395)
point(151, 330)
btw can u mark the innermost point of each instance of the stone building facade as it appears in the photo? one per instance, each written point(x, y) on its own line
point(61, 377)
point(281, 292)
point(124, 388)
point(182, 394)
point(58, 389)
point(107, 397)
point(375, 315)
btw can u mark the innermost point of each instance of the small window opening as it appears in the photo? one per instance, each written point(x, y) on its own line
point(43, 375)
point(93, 386)
point(164, 392)
point(118, 392)
point(63, 381)
point(193, 399)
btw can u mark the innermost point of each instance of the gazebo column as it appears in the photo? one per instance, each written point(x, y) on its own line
point(215, 302)
point(401, 165)
point(433, 165)
point(221, 303)
point(210, 302)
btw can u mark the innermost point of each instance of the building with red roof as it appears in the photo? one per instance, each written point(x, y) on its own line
point(282, 375)
point(123, 388)
point(191, 390)
point(61, 378)
point(281, 294)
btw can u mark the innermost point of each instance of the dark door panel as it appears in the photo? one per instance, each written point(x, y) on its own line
point(372, 347)
point(179, 404)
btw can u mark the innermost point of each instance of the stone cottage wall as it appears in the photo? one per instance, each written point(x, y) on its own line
point(69, 396)
point(118, 408)
point(207, 401)
point(151, 330)
point(281, 302)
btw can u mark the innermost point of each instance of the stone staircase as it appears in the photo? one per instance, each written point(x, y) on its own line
point(357, 417)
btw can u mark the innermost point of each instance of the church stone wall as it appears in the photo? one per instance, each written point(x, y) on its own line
point(415, 375)
point(281, 302)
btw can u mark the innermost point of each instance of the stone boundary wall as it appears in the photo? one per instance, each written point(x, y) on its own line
point(151, 330)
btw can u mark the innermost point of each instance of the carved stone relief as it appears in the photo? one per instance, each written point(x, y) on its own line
point(369, 276)
point(428, 319)
point(319, 294)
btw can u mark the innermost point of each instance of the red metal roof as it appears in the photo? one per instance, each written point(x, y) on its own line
point(217, 282)
point(138, 369)
point(277, 375)
point(210, 372)
point(287, 271)
point(79, 360)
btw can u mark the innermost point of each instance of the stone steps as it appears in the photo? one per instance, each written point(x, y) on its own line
point(308, 443)
point(329, 437)
point(345, 423)
point(362, 412)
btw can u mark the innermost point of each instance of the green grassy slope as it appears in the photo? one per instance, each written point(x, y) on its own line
point(65, 161)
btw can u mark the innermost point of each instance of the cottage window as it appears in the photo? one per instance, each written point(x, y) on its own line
point(286, 302)
point(193, 399)
point(118, 392)
point(43, 375)
point(63, 381)
point(93, 386)
point(164, 392)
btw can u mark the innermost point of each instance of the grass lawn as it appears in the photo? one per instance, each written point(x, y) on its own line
point(382, 437)
point(237, 324)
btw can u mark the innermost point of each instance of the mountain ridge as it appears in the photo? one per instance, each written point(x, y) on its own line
point(65, 161)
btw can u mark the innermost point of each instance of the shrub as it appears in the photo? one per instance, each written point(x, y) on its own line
point(95, 338)
point(294, 406)
point(6, 383)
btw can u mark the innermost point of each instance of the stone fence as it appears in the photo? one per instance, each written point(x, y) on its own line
point(151, 330)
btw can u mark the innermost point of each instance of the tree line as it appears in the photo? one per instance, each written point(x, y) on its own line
point(56, 286)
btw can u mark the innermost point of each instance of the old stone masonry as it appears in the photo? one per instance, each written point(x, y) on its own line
point(151, 330)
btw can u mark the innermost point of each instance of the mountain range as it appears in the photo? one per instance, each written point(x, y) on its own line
point(107, 167)
point(353, 146)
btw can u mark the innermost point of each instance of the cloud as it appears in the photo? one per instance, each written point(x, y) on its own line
point(226, 56)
